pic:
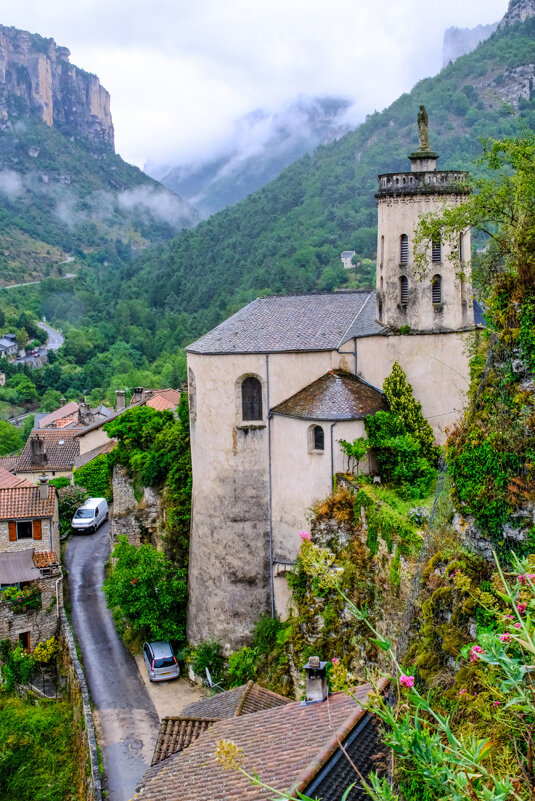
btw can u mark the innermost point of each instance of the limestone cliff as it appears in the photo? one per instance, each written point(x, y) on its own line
point(459, 41)
point(518, 11)
point(36, 78)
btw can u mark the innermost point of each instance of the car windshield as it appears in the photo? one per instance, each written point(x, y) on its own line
point(84, 513)
point(168, 661)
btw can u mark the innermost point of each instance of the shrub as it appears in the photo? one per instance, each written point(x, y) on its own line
point(207, 654)
point(95, 476)
point(69, 499)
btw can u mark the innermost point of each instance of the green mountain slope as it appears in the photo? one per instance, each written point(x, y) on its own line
point(63, 190)
point(288, 236)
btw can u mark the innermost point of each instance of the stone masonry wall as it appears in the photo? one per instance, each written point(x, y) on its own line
point(139, 520)
point(41, 623)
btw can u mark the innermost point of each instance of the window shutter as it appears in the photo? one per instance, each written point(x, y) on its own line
point(251, 389)
point(404, 249)
point(12, 531)
point(436, 251)
point(403, 290)
point(436, 289)
point(37, 530)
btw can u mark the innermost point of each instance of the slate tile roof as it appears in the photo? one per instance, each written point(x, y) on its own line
point(61, 450)
point(7, 479)
point(337, 395)
point(69, 410)
point(8, 462)
point(44, 558)
point(22, 502)
point(249, 697)
point(293, 323)
point(286, 746)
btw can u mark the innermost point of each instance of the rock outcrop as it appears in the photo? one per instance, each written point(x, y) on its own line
point(518, 11)
point(139, 520)
point(37, 79)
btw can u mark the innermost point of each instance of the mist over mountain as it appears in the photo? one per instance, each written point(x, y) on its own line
point(459, 41)
point(263, 143)
point(63, 189)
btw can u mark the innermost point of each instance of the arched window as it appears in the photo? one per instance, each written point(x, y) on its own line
point(380, 310)
point(436, 250)
point(319, 439)
point(436, 289)
point(382, 251)
point(316, 439)
point(404, 249)
point(251, 399)
point(403, 290)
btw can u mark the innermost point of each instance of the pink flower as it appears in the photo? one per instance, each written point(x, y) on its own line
point(507, 617)
point(521, 608)
point(505, 637)
point(406, 681)
point(462, 692)
point(335, 660)
point(521, 578)
point(518, 626)
point(475, 652)
point(304, 535)
point(496, 703)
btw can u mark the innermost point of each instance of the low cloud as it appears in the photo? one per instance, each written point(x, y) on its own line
point(158, 203)
point(11, 184)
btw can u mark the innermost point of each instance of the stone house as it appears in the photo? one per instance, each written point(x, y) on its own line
point(50, 452)
point(8, 347)
point(276, 386)
point(29, 551)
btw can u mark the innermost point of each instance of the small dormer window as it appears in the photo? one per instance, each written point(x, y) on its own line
point(436, 289)
point(436, 250)
point(403, 290)
point(404, 249)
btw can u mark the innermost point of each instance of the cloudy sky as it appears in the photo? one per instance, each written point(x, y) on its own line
point(180, 72)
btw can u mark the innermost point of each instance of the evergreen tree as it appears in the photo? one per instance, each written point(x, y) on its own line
point(404, 405)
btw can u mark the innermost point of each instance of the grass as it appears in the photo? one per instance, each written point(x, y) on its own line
point(38, 759)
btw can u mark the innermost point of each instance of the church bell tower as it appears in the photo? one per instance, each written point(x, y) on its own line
point(441, 300)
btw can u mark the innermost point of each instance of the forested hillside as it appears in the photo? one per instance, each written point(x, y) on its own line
point(126, 320)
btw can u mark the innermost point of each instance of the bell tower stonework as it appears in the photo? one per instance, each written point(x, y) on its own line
point(441, 299)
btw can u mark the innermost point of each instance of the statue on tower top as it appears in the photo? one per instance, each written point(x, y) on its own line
point(423, 130)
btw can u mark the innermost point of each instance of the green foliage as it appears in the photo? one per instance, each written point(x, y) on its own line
point(37, 743)
point(242, 666)
point(24, 599)
point(207, 654)
point(385, 523)
point(10, 438)
point(17, 665)
point(95, 477)
point(147, 592)
point(355, 450)
point(69, 499)
point(404, 406)
point(50, 401)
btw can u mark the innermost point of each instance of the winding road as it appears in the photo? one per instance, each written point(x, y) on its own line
point(55, 339)
point(124, 714)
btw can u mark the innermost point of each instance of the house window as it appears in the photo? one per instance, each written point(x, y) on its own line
point(404, 249)
point(24, 530)
point(436, 289)
point(436, 250)
point(316, 439)
point(24, 639)
point(403, 290)
point(251, 399)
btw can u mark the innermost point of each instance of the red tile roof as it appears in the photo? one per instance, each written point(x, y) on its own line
point(286, 746)
point(44, 558)
point(17, 503)
point(177, 733)
point(7, 479)
point(69, 410)
point(61, 450)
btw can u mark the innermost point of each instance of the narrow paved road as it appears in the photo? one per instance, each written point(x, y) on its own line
point(124, 714)
point(55, 339)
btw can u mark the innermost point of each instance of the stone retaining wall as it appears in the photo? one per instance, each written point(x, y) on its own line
point(78, 686)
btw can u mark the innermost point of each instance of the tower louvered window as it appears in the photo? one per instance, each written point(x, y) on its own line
point(251, 399)
point(403, 290)
point(436, 289)
point(404, 249)
point(436, 250)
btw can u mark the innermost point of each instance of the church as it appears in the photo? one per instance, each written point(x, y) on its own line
point(276, 386)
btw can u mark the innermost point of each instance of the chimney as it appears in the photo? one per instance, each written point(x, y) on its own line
point(84, 413)
point(38, 447)
point(43, 488)
point(120, 394)
point(316, 689)
point(138, 394)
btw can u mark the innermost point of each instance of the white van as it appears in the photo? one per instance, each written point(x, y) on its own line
point(89, 517)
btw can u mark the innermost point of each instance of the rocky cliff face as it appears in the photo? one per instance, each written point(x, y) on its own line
point(518, 11)
point(36, 78)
